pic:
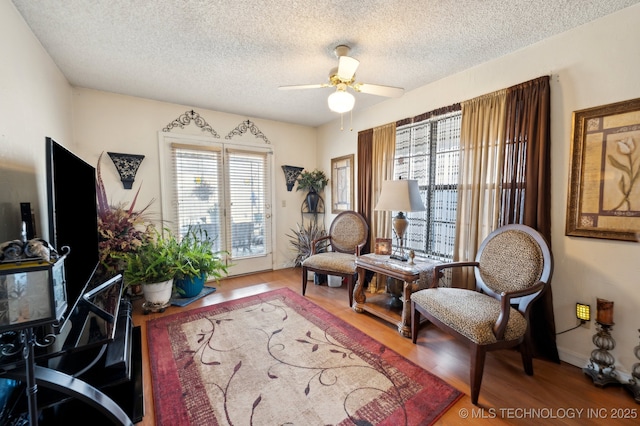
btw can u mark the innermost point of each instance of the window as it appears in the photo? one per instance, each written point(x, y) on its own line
point(197, 190)
point(429, 152)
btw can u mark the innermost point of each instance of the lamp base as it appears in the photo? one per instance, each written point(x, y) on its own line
point(401, 258)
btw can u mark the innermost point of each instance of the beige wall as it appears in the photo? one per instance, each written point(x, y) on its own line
point(35, 101)
point(592, 65)
point(109, 122)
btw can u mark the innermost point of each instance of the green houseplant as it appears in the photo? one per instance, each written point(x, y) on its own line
point(153, 266)
point(302, 240)
point(197, 262)
point(312, 182)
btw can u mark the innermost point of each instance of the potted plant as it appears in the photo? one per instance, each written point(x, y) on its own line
point(121, 229)
point(302, 240)
point(153, 266)
point(197, 262)
point(312, 182)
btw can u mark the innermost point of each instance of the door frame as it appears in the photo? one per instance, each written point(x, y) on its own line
point(164, 141)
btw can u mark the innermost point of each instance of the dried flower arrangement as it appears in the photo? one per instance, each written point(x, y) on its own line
point(121, 229)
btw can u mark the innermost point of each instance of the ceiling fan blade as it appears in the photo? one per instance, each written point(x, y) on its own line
point(304, 86)
point(347, 67)
point(374, 89)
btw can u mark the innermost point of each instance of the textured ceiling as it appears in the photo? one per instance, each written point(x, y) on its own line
point(231, 55)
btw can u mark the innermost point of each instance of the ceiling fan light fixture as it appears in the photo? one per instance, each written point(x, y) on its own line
point(341, 101)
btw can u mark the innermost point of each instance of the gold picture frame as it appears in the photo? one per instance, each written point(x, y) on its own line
point(604, 186)
point(342, 183)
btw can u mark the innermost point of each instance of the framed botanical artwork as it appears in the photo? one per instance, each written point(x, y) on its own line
point(604, 187)
point(342, 184)
point(383, 246)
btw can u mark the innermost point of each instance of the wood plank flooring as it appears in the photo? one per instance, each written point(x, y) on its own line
point(556, 394)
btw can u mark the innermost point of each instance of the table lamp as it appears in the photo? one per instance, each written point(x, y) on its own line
point(402, 196)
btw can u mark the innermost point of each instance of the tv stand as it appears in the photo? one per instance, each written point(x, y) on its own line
point(97, 369)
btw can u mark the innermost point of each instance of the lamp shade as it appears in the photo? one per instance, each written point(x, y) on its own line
point(400, 195)
point(341, 101)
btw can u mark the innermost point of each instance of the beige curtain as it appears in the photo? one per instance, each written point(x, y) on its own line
point(481, 162)
point(384, 146)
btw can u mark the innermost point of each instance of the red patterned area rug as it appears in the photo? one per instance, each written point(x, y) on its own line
point(278, 359)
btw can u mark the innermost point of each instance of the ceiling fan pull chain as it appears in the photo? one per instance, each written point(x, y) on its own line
point(351, 121)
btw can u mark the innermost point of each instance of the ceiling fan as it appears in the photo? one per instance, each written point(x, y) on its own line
point(343, 77)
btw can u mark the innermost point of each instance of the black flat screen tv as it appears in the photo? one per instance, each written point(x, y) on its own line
point(72, 214)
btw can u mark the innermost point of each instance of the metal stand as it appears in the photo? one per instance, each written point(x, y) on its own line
point(634, 383)
point(601, 369)
point(76, 388)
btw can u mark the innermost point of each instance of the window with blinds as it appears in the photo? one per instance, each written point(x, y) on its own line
point(197, 197)
point(224, 192)
point(429, 152)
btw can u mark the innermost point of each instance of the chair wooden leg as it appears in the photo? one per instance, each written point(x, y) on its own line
point(350, 289)
point(415, 321)
point(527, 358)
point(478, 354)
point(304, 280)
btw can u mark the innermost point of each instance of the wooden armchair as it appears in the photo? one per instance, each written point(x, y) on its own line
point(347, 235)
point(513, 267)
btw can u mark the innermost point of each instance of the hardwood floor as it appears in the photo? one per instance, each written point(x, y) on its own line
point(555, 394)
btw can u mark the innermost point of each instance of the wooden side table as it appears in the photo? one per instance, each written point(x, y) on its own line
point(379, 304)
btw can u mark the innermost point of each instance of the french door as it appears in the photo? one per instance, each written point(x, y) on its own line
point(223, 191)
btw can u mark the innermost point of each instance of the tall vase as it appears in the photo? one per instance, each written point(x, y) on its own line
point(312, 201)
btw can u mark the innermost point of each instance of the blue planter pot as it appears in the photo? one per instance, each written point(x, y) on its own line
point(190, 287)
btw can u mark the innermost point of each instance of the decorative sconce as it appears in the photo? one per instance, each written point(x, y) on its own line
point(601, 368)
point(127, 166)
point(583, 312)
point(291, 173)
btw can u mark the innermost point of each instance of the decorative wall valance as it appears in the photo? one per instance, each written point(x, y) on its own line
point(187, 118)
point(242, 128)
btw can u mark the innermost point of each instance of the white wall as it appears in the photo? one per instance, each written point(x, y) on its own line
point(109, 122)
point(35, 101)
point(593, 65)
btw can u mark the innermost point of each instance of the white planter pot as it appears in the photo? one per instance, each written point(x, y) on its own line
point(158, 293)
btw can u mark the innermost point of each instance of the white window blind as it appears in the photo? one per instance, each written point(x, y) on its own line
point(197, 191)
point(249, 194)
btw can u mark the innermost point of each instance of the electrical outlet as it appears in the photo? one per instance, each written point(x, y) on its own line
point(284, 203)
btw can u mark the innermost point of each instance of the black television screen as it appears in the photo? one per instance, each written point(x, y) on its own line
point(72, 212)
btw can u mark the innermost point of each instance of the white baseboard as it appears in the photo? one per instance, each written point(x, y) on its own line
point(580, 361)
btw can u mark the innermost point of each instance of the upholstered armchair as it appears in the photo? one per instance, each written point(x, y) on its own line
point(347, 235)
point(512, 269)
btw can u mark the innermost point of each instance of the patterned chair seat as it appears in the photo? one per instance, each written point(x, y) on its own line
point(343, 263)
point(470, 313)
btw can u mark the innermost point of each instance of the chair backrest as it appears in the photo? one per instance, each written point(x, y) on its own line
point(348, 230)
point(513, 257)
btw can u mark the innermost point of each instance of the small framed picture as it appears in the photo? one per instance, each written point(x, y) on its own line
point(383, 246)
